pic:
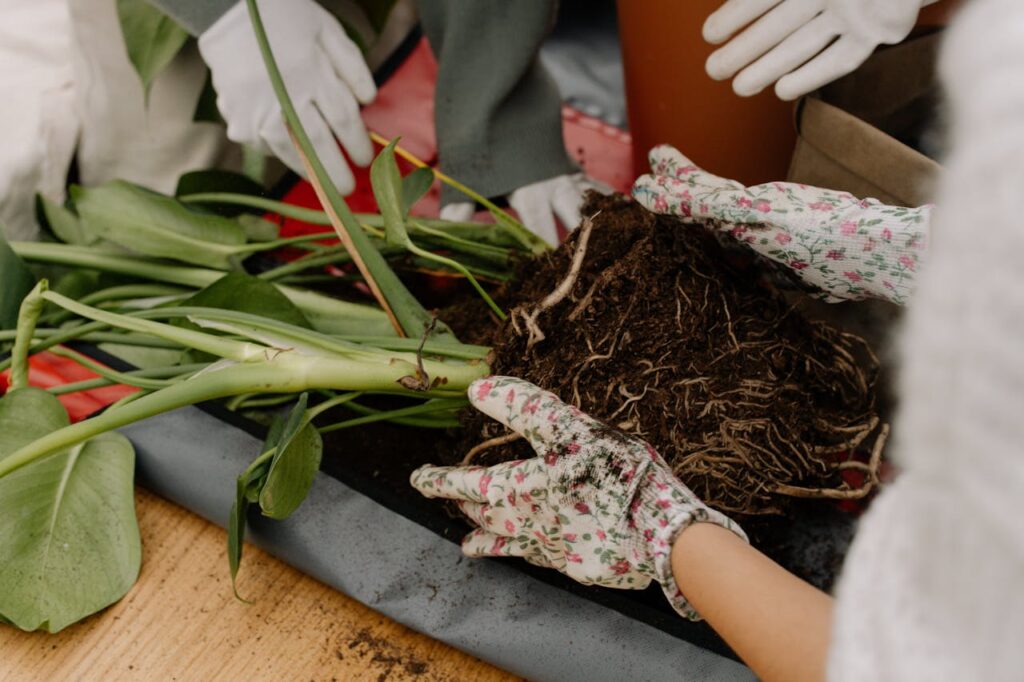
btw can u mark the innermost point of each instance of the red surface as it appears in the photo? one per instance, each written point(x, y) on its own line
point(47, 370)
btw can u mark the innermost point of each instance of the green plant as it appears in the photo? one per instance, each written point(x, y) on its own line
point(164, 277)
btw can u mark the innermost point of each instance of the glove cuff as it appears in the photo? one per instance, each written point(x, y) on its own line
point(669, 509)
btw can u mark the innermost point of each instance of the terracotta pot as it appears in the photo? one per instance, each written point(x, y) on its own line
point(671, 99)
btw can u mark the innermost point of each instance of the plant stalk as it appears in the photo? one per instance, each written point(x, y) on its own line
point(285, 373)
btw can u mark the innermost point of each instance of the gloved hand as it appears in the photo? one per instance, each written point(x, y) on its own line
point(848, 248)
point(792, 41)
point(540, 203)
point(323, 69)
point(596, 504)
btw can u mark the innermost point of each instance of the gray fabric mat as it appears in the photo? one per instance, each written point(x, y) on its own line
point(408, 573)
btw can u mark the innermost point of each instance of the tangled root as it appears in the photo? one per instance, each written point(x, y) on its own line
point(648, 325)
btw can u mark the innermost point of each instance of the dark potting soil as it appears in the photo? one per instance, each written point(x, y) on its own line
point(665, 335)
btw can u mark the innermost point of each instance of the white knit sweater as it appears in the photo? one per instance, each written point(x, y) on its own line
point(933, 588)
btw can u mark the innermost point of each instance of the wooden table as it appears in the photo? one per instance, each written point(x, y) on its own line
point(181, 622)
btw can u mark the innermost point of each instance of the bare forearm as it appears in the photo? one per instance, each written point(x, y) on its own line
point(778, 624)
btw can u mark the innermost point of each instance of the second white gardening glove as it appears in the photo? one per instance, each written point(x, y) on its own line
point(596, 504)
point(325, 74)
point(802, 44)
point(540, 204)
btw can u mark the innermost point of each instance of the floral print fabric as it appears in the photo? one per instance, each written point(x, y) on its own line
point(596, 504)
point(846, 247)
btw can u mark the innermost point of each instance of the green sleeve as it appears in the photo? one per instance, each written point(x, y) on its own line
point(498, 111)
point(195, 16)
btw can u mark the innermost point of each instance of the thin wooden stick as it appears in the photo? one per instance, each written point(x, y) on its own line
point(343, 235)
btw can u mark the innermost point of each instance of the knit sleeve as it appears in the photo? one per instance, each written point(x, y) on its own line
point(933, 588)
point(498, 111)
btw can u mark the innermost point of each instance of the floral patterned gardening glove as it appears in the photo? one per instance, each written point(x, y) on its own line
point(846, 247)
point(596, 504)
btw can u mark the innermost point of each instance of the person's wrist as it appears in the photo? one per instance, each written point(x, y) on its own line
point(667, 511)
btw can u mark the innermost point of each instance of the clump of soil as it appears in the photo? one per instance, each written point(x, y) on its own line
point(661, 334)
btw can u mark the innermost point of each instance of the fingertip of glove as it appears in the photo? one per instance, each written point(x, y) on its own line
point(785, 91)
point(713, 32)
point(717, 68)
point(745, 87)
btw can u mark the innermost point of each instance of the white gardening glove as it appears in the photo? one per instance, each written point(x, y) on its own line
point(539, 204)
point(846, 247)
point(325, 74)
point(791, 41)
point(596, 504)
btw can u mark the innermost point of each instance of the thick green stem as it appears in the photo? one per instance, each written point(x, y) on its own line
point(113, 376)
point(287, 373)
point(326, 314)
point(239, 351)
point(177, 372)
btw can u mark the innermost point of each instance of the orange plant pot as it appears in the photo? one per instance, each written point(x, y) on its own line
point(671, 100)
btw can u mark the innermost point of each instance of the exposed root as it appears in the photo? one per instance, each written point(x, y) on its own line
point(487, 445)
point(420, 382)
point(562, 290)
point(844, 491)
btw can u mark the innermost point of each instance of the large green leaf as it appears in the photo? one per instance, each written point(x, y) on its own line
point(156, 225)
point(69, 540)
point(151, 38)
point(16, 280)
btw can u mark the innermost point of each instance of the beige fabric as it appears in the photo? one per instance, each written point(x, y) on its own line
point(123, 135)
point(933, 588)
point(64, 63)
point(38, 132)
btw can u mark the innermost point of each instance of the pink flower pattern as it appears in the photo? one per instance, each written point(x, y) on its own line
point(576, 512)
point(822, 235)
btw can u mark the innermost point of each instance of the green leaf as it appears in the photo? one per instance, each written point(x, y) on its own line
point(414, 186)
point(64, 223)
point(156, 225)
point(293, 467)
point(219, 181)
point(387, 190)
point(245, 293)
point(69, 540)
point(16, 280)
point(151, 38)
